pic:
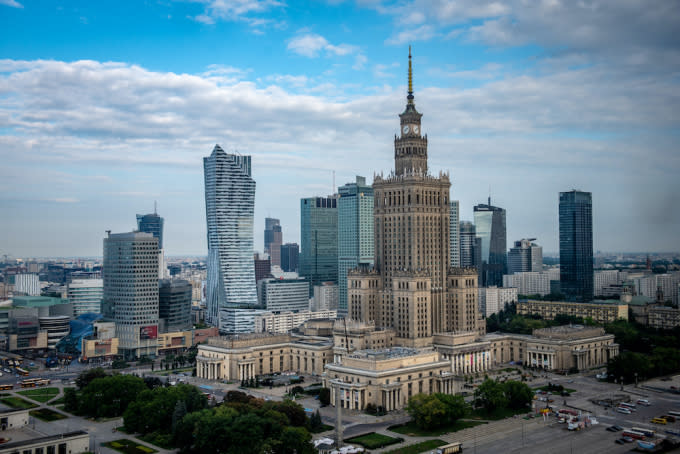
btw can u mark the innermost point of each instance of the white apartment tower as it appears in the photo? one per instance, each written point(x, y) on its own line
point(130, 278)
point(229, 209)
point(454, 232)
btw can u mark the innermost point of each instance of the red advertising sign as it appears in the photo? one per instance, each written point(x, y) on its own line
point(148, 332)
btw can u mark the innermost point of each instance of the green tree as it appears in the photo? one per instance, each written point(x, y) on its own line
point(491, 395)
point(87, 376)
point(455, 407)
point(627, 364)
point(325, 396)
point(426, 410)
point(109, 396)
point(70, 400)
point(296, 440)
point(518, 394)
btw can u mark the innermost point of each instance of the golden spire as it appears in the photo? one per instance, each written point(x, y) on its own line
point(410, 78)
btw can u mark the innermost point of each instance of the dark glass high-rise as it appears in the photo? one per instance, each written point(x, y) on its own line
point(576, 245)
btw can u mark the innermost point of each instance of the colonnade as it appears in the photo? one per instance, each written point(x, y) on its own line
point(545, 359)
point(465, 363)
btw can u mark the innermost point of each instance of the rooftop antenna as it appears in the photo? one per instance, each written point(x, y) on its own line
point(333, 191)
point(154, 208)
point(489, 195)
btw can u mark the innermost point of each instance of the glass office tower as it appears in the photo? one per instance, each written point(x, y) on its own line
point(229, 209)
point(355, 233)
point(319, 239)
point(490, 225)
point(576, 245)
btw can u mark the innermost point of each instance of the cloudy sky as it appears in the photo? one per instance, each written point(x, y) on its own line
point(107, 106)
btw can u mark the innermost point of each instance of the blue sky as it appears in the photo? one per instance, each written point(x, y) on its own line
point(108, 106)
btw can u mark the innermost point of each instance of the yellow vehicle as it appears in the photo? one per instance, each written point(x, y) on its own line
point(659, 421)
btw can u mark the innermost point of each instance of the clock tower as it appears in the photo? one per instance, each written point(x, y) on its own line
point(410, 149)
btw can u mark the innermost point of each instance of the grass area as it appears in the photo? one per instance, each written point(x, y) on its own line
point(500, 413)
point(545, 388)
point(373, 440)
point(59, 401)
point(45, 414)
point(322, 428)
point(129, 447)
point(17, 402)
point(412, 430)
point(40, 394)
point(417, 448)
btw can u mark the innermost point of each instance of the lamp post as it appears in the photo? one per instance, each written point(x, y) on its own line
point(636, 379)
point(621, 383)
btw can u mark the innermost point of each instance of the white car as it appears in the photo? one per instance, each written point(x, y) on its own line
point(623, 410)
point(644, 402)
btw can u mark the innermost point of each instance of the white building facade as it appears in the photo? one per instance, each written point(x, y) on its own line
point(86, 296)
point(27, 284)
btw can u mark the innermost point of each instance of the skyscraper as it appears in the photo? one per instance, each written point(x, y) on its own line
point(130, 277)
point(470, 246)
point(153, 223)
point(576, 245)
point(355, 233)
point(525, 257)
point(229, 208)
point(490, 224)
point(412, 288)
point(273, 237)
point(289, 257)
point(319, 239)
point(454, 231)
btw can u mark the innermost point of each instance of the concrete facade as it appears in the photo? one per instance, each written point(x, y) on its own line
point(600, 312)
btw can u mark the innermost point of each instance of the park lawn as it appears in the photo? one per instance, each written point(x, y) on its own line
point(17, 402)
point(499, 413)
point(129, 447)
point(417, 448)
point(45, 414)
point(412, 430)
point(40, 394)
point(373, 440)
point(158, 439)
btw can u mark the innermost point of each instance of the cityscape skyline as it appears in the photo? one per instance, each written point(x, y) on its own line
point(513, 109)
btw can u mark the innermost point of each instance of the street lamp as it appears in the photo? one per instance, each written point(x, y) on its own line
point(636, 379)
point(621, 383)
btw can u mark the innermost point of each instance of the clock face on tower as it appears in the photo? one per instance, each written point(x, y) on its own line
point(416, 129)
point(406, 129)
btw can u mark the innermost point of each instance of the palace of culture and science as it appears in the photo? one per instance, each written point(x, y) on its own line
point(413, 323)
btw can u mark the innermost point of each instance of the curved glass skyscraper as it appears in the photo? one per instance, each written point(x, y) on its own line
point(229, 209)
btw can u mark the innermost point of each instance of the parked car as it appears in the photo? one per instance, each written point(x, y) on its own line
point(617, 427)
point(612, 429)
point(620, 441)
point(628, 439)
point(623, 410)
point(644, 402)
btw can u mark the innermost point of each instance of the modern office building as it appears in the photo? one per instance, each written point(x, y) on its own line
point(131, 291)
point(263, 267)
point(229, 207)
point(153, 223)
point(355, 233)
point(27, 284)
point(86, 296)
point(470, 245)
point(283, 322)
point(525, 257)
point(174, 305)
point(319, 239)
point(273, 237)
point(454, 232)
point(490, 225)
point(603, 279)
point(284, 295)
point(576, 245)
point(289, 257)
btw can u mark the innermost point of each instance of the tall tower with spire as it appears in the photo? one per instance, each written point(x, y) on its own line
point(408, 288)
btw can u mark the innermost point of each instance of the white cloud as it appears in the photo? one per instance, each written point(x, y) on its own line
point(249, 11)
point(422, 33)
point(312, 45)
point(141, 132)
point(12, 3)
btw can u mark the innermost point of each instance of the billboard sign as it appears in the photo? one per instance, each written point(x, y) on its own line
point(148, 332)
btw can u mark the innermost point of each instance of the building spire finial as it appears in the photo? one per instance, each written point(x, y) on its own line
point(410, 78)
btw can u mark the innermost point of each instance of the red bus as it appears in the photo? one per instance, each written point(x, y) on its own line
point(633, 434)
